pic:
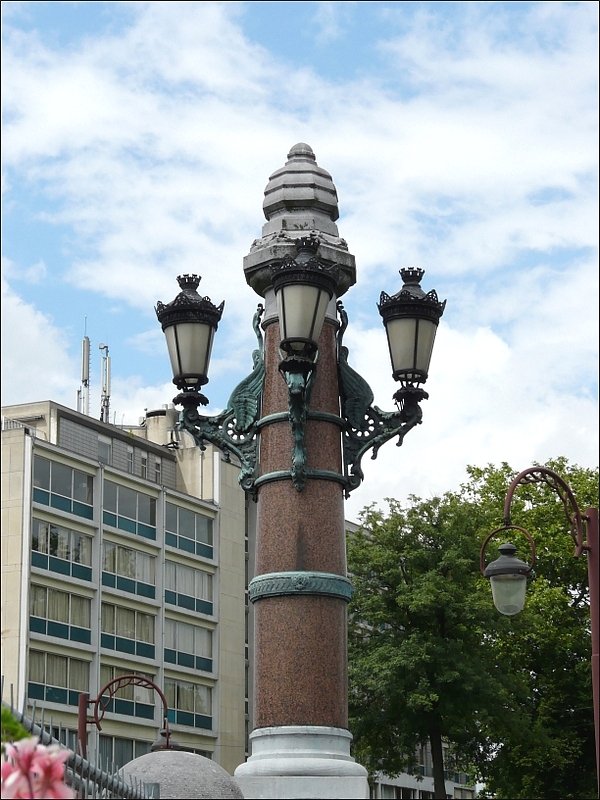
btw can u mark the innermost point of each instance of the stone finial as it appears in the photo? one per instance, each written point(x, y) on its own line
point(299, 190)
point(300, 200)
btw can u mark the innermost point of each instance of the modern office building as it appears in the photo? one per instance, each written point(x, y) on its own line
point(123, 551)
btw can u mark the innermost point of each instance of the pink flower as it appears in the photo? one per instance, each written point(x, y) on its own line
point(34, 771)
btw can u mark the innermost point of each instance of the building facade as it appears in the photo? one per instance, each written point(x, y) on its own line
point(123, 551)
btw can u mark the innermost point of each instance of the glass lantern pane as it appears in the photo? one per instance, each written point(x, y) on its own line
point(426, 337)
point(508, 592)
point(301, 311)
point(401, 340)
point(189, 347)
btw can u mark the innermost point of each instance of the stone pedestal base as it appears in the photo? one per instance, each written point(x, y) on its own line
point(301, 761)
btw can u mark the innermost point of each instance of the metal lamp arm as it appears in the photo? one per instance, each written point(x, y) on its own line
point(112, 687)
point(533, 475)
point(365, 425)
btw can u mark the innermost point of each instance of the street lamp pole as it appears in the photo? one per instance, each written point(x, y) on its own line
point(508, 571)
point(105, 701)
point(300, 424)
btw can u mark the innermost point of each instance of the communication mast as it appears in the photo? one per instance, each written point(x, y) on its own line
point(83, 393)
point(105, 397)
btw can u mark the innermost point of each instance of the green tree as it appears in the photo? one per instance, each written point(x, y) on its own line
point(431, 660)
point(546, 649)
point(420, 668)
point(12, 730)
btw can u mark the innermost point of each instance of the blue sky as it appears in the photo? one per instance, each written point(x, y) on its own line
point(138, 139)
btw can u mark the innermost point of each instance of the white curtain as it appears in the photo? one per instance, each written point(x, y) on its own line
point(186, 580)
point(39, 539)
point(109, 557)
point(37, 664)
point(37, 601)
point(170, 576)
point(79, 675)
point(171, 634)
point(58, 606)
point(81, 549)
point(185, 696)
point(204, 585)
point(56, 670)
point(80, 611)
point(145, 628)
point(62, 544)
point(125, 622)
point(203, 699)
point(125, 562)
point(145, 568)
point(185, 637)
point(108, 626)
point(204, 642)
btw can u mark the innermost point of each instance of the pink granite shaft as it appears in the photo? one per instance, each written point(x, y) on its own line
point(300, 640)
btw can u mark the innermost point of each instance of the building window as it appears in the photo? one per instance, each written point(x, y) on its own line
point(188, 587)
point(128, 510)
point(61, 550)
point(128, 570)
point(189, 703)
point(57, 679)
point(144, 465)
point(63, 487)
point(131, 700)
point(127, 630)
point(189, 531)
point(56, 613)
point(158, 470)
point(65, 736)
point(104, 450)
point(130, 460)
point(118, 751)
point(188, 645)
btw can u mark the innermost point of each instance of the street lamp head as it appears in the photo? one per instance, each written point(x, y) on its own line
point(508, 578)
point(411, 318)
point(189, 323)
point(303, 287)
point(164, 741)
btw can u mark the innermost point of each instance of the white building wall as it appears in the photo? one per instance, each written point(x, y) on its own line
point(78, 435)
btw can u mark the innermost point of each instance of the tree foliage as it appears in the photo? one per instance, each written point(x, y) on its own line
point(12, 730)
point(431, 659)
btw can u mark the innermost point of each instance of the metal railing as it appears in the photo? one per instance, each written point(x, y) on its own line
point(89, 780)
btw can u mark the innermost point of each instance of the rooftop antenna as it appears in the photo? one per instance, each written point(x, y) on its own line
point(83, 393)
point(105, 397)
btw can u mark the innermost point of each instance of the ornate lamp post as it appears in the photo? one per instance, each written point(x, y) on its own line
point(104, 702)
point(508, 574)
point(314, 427)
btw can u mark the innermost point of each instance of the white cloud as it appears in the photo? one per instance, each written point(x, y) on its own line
point(473, 155)
point(35, 355)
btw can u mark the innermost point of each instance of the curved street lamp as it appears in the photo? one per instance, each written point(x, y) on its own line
point(508, 574)
point(101, 703)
